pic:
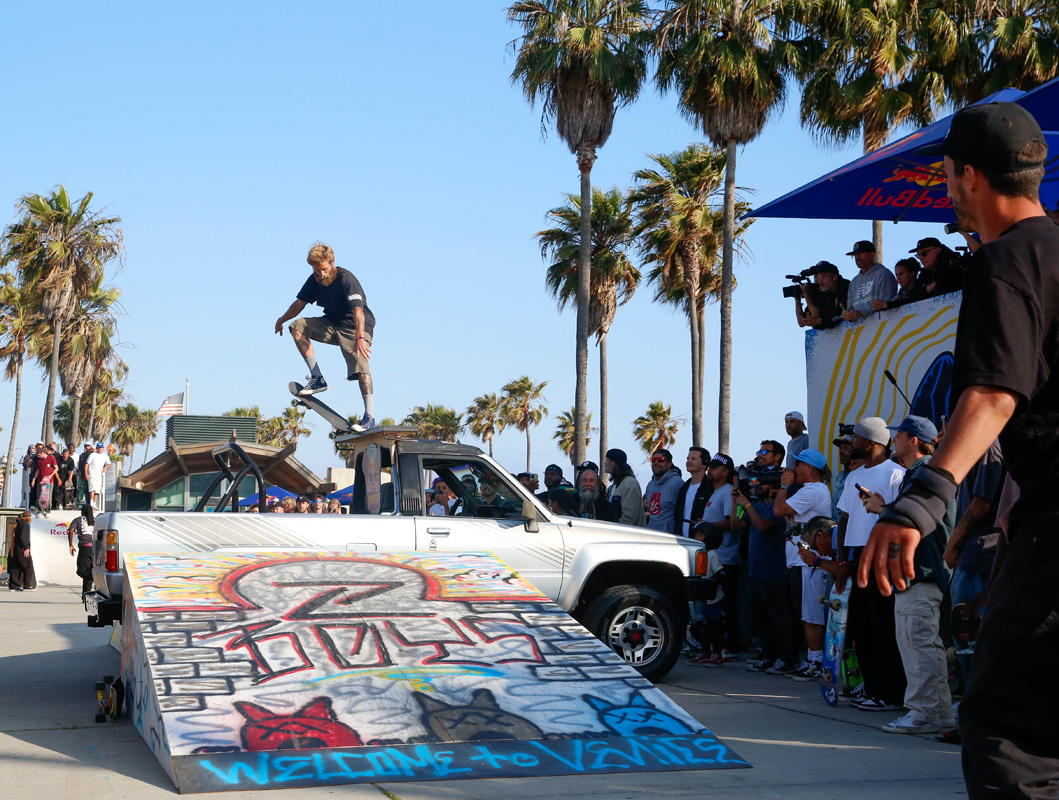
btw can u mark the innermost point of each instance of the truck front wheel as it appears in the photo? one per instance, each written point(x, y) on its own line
point(640, 624)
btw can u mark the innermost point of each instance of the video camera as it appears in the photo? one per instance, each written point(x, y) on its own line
point(751, 480)
point(844, 429)
point(805, 276)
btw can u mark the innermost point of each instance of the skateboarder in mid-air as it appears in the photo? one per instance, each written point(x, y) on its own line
point(347, 322)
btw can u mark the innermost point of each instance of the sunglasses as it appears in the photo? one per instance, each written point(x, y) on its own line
point(658, 459)
point(763, 451)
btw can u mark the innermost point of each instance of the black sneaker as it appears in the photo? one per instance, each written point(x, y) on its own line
point(875, 704)
point(315, 385)
point(761, 665)
point(781, 667)
point(366, 423)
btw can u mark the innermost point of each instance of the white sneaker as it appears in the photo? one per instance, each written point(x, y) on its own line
point(909, 724)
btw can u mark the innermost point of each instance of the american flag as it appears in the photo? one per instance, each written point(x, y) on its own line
point(173, 404)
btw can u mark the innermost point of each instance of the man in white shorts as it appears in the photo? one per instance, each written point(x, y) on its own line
point(95, 468)
point(812, 499)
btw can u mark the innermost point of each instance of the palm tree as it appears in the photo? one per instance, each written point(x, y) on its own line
point(107, 398)
point(728, 69)
point(435, 422)
point(976, 47)
point(676, 225)
point(564, 434)
point(522, 408)
point(269, 432)
point(867, 78)
point(614, 277)
point(656, 428)
point(60, 248)
point(128, 430)
point(243, 411)
point(21, 323)
point(290, 426)
point(89, 331)
point(581, 59)
point(484, 418)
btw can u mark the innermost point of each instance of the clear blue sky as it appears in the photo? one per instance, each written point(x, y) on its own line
point(231, 136)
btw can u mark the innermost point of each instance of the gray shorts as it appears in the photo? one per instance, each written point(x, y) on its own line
point(321, 329)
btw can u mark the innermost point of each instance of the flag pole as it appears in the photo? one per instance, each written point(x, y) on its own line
point(187, 395)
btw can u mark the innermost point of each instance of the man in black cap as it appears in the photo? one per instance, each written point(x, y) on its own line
point(553, 479)
point(826, 300)
point(1006, 379)
point(942, 272)
point(875, 282)
point(625, 493)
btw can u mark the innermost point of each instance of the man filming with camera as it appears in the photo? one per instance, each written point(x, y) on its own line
point(825, 298)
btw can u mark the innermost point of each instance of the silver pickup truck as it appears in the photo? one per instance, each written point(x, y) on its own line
point(629, 586)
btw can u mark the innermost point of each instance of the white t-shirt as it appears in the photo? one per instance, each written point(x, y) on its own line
point(97, 462)
point(812, 500)
point(689, 501)
point(886, 480)
point(438, 510)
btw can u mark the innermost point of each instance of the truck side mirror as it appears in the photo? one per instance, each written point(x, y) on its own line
point(529, 516)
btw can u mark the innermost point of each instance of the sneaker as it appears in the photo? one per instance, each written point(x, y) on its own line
point(875, 704)
point(315, 385)
point(811, 673)
point(31, 588)
point(758, 666)
point(856, 695)
point(800, 670)
point(780, 667)
point(909, 724)
point(367, 422)
point(707, 660)
point(727, 656)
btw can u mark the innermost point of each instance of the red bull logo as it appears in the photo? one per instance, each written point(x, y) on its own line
point(933, 175)
point(59, 529)
point(916, 198)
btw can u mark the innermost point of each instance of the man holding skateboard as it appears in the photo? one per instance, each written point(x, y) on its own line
point(347, 322)
point(1006, 378)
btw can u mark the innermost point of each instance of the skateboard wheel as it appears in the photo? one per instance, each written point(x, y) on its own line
point(294, 403)
point(822, 599)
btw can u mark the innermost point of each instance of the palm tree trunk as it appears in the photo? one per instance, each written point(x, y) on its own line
point(490, 440)
point(92, 413)
point(696, 378)
point(702, 357)
point(146, 446)
point(876, 224)
point(602, 397)
point(75, 421)
point(14, 429)
point(586, 156)
point(725, 379)
point(53, 377)
point(527, 448)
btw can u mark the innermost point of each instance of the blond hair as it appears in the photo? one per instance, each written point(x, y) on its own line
point(319, 253)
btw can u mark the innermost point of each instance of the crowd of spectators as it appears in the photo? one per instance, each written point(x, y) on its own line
point(832, 299)
point(63, 476)
point(782, 539)
point(302, 504)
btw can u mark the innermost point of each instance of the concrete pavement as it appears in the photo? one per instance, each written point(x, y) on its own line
point(799, 747)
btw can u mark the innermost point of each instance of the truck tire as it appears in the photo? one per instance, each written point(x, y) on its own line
point(640, 624)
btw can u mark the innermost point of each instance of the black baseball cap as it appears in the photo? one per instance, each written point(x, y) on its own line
point(863, 246)
point(661, 451)
point(722, 460)
point(989, 136)
point(930, 241)
point(554, 468)
point(822, 266)
point(592, 465)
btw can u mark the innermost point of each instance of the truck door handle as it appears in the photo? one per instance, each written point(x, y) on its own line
point(438, 531)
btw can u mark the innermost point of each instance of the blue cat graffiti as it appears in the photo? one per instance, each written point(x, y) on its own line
point(272, 670)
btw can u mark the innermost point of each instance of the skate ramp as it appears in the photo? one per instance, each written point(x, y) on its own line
point(274, 670)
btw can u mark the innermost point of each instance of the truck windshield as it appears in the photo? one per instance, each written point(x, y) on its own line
point(469, 489)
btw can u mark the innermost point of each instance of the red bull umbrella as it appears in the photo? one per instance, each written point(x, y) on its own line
point(893, 183)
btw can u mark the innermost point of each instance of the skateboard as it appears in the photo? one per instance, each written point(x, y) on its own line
point(830, 670)
point(338, 422)
point(110, 696)
point(44, 497)
point(964, 631)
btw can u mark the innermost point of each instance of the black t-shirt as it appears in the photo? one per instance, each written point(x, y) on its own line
point(66, 465)
point(339, 299)
point(82, 460)
point(830, 304)
point(1008, 338)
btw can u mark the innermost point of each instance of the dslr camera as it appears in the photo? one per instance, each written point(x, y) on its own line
point(756, 481)
point(805, 276)
point(844, 429)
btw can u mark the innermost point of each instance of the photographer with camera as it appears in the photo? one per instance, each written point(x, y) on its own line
point(825, 298)
point(803, 495)
point(767, 561)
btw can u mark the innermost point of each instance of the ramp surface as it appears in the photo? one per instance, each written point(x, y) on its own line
point(276, 671)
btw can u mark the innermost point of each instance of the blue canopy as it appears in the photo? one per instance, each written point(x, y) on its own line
point(344, 496)
point(894, 183)
point(272, 494)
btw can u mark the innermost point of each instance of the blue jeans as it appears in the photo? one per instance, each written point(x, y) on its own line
point(966, 586)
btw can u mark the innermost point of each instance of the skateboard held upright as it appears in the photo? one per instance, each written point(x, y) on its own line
point(830, 669)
